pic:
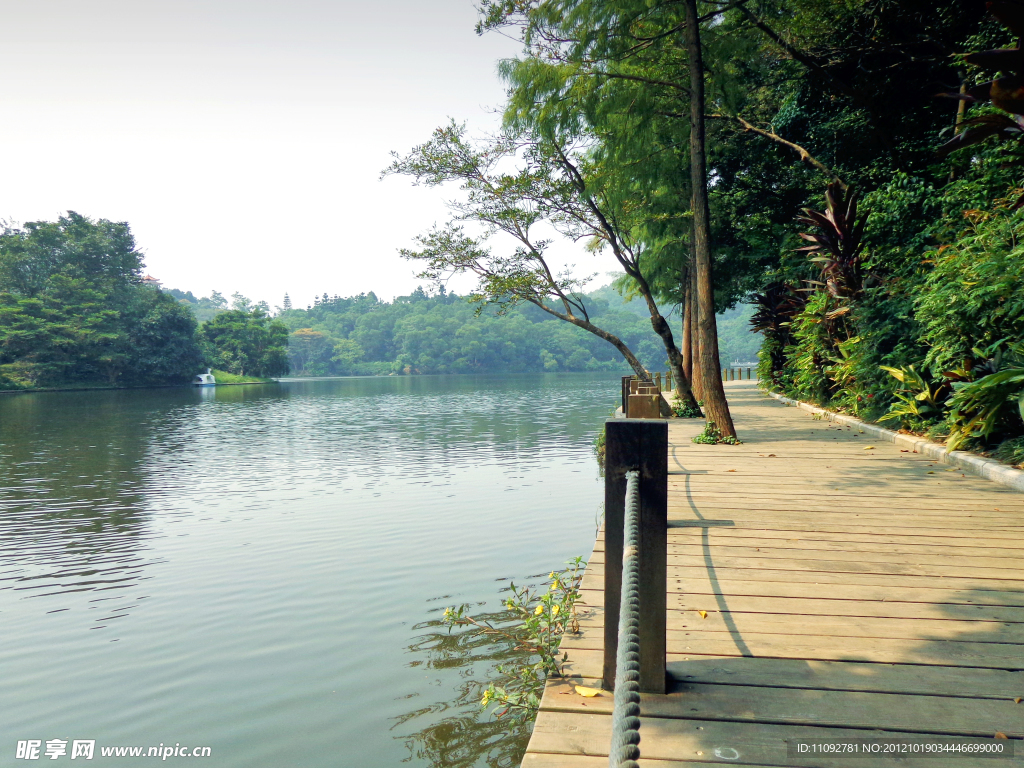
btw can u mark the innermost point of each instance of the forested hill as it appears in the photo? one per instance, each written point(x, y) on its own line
point(443, 333)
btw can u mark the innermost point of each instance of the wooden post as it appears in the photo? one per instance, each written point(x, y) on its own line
point(748, 374)
point(643, 445)
point(668, 381)
point(657, 380)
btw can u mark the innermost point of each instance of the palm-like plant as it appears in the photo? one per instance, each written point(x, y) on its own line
point(776, 307)
point(838, 243)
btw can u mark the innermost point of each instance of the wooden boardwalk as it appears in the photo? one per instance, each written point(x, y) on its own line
point(851, 590)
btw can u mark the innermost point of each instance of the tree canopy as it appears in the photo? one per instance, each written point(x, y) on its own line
point(73, 309)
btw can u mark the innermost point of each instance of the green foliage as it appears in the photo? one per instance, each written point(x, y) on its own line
point(205, 308)
point(445, 333)
point(991, 404)
point(539, 618)
point(774, 310)
point(601, 446)
point(933, 273)
point(226, 377)
point(1011, 451)
point(928, 341)
point(817, 332)
point(73, 310)
point(712, 435)
point(920, 401)
point(682, 411)
point(247, 343)
point(973, 296)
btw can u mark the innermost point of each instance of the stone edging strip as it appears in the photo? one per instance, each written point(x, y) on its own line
point(990, 469)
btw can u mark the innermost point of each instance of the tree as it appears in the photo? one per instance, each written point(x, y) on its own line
point(513, 183)
point(715, 404)
point(161, 337)
point(247, 343)
point(240, 303)
point(346, 354)
point(625, 74)
point(73, 309)
point(309, 352)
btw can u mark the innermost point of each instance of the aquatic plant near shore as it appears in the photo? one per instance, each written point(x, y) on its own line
point(541, 617)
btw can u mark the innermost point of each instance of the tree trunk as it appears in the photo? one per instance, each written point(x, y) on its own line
point(697, 380)
point(675, 359)
point(715, 406)
point(687, 344)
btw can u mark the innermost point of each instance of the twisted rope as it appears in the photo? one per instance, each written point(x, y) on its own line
point(625, 749)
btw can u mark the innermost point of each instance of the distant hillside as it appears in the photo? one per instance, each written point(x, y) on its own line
point(442, 333)
point(736, 342)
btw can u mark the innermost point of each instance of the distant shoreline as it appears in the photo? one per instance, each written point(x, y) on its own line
point(34, 390)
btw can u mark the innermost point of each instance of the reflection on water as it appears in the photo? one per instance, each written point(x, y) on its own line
point(255, 568)
point(458, 732)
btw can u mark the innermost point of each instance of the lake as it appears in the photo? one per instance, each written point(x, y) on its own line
point(261, 569)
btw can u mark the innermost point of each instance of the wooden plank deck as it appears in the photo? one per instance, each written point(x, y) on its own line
point(852, 590)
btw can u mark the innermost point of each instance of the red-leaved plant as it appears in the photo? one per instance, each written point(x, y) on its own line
point(838, 242)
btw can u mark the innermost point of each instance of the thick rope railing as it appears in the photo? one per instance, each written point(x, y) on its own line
point(625, 747)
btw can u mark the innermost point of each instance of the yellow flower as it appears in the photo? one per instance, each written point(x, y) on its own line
point(551, 575)
point(539, 611)
point(554, 611)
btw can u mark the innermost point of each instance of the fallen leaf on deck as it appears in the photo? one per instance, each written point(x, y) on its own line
point(868, 447)
point(904, 450)
point(730, 470)
point(1018, 700)
point(772, 456)
point(1000, 735)
point(588, 692)
point(704, 615)
point(930, 472)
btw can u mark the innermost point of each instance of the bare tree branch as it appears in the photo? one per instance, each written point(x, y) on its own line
point(805, 156)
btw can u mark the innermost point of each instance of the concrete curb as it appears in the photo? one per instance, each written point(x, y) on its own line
point(990, 469)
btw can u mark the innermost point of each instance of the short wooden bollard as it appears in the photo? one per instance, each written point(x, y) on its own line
point(657, 380)
point(646, 404)
point(748, 374)
point(641, 445)
point(668, 381)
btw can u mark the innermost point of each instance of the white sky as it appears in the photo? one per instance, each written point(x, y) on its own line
point(242, 140)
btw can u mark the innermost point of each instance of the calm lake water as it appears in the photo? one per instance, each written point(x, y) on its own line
point(260, 569)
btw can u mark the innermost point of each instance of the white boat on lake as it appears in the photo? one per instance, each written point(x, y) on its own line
point(205, 379)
